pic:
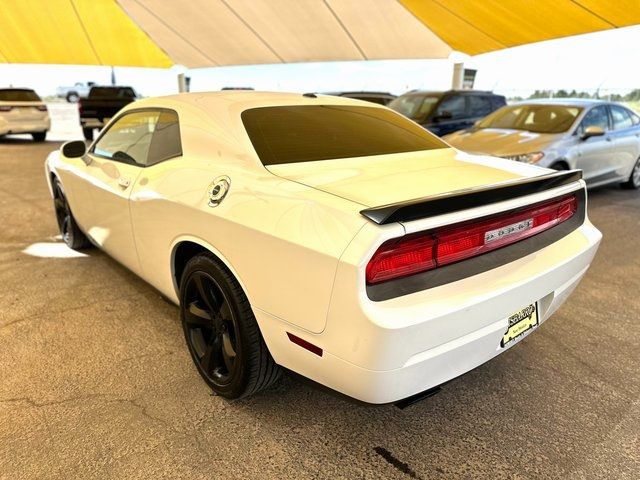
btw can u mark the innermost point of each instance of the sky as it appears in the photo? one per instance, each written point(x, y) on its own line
point(609, 61)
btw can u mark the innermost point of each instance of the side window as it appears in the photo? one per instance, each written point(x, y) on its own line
point(635, 118)
point(621, 118)
point(128, 140)
point(596, 117)
point(497, 102)
point(166, 142)
point(455, 105)
point(479, 106)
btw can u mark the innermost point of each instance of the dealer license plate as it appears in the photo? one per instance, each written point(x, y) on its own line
point(520, 325)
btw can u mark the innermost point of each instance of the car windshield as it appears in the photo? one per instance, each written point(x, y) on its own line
point(112, 92)
point(532, 118)
point(18, 95)
point(306, 133)
point(415, 106)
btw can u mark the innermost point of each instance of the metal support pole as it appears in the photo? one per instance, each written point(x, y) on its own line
point(182, 83)
point(458, 73)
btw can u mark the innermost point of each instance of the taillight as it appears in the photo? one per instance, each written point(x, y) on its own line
point(424, 251)
point(42, 108)
point(5, 108)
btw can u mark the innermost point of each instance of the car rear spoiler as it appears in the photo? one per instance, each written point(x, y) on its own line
point(468, 198)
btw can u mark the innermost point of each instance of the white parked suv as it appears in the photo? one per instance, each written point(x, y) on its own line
point(23, 111)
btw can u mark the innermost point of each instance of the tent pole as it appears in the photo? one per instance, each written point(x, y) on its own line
point(458, 73)
point(182, 83)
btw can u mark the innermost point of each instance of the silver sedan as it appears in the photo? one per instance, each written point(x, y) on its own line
point(600, 138)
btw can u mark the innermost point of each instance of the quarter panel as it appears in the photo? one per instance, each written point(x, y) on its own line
point(281, 238)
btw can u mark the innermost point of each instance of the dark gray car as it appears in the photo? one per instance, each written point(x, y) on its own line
point(600, 138)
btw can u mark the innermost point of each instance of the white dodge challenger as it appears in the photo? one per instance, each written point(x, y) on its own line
point(326, 235)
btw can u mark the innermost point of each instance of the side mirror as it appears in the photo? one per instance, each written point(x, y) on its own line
point(443, 115)
point(592, 131)
point(75, 149)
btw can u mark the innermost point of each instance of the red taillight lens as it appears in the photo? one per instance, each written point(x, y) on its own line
point(426, 251)
point(42, 108)
point(5, 108)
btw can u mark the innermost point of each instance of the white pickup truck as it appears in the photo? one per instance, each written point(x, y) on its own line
point(74, 93)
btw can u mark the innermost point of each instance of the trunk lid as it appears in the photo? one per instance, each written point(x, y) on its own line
point(385, 179)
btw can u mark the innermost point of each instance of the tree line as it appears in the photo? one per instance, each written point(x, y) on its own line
point(632, 96)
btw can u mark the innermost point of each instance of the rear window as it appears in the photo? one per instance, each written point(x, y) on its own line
point(307, 133)
point(112, 92)
point(18, 95)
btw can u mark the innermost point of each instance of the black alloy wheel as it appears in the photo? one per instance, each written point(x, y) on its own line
point(71, 233)
point(221, 331)
point(210, 327)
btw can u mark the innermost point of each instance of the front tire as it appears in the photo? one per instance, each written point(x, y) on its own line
point(73, 97)
point(88, 133)
point(69, 229)
point(39, 136)
point(634, 179)
point(221, 331)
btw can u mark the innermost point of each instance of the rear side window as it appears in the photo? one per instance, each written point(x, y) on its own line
point(455, 105)
point(18, 95)
point(166, 142)
point(307, 133)
point(112, 92)
point(621, 118)
point(479, 106)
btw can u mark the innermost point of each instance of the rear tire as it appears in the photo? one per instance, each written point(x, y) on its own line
point(72, 97)
point(221, 332)
point(39, 136)
point(69, 229)
point(634, 179)
point(88, 133)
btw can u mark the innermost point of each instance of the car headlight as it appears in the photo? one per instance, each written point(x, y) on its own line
point(533, 157)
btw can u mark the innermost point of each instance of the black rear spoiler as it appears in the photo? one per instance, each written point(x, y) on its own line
point(468, 198)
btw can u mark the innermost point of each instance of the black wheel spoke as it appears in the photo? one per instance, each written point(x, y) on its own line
point(228, 352)
point(197, 317)
point(204, 290)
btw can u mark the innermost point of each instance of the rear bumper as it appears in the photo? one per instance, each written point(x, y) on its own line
point(381, 352)
point(10, 127)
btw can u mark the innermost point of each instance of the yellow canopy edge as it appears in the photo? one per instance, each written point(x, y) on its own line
point(480, 26)
point(89, 32)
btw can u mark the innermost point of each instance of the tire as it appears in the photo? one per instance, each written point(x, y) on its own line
point(71, 233)
point(560, 166)
point(221, 332)
point(634, 179)
point(72, 97)
point(88, 133)
point(39, 136)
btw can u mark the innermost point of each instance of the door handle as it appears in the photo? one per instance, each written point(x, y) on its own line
point(124, 183)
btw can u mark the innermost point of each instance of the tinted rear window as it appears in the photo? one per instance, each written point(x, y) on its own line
point(16, 95)
point(112, 92)
point(307, 133)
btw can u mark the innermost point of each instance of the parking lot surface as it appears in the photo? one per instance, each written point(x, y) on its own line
point(96, 381)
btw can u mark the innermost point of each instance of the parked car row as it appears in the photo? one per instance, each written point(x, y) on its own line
point(600, 138)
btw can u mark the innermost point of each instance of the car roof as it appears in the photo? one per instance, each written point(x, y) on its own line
point(213, 102)
point(569, 102)
point(442, 92)
point(4, 89)
point(359, 92)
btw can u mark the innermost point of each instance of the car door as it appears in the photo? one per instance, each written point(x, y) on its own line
point(595, 154)
point(113, 164)
point(626, 135)
point(450, 115)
